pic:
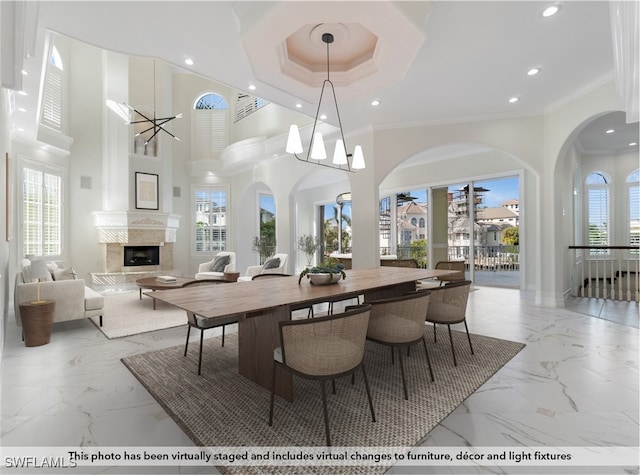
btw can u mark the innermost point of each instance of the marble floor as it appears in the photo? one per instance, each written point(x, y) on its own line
point(575, 384)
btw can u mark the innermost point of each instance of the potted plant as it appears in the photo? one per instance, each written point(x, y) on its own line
point(328, 271)
point(309, 245)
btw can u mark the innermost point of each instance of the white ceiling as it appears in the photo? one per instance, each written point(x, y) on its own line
point(434, 62)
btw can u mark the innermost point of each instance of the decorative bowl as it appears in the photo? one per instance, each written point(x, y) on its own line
point(324, 278)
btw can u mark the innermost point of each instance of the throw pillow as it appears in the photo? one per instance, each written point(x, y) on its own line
point(64, 274)
point(272, 263)
point(219, 263)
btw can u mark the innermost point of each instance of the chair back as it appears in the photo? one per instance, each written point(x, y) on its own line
point(267, 276)
point(412, 263)
point(449, 303)
point(325, 346)
point(451, 265)
point(199, 282)
point(398, 319)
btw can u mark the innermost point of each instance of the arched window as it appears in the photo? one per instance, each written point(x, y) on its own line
point(414, 221)
point(633, 201)
point(52, 92)
point(209, 126)
point(598, 213)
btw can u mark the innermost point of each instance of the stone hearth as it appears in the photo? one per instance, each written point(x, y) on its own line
point(117, 229)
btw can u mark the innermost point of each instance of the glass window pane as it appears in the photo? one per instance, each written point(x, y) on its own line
point(210, 218)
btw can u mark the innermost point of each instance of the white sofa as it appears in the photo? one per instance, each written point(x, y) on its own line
point(205, 269)
point(74, 300)
point(268, 267)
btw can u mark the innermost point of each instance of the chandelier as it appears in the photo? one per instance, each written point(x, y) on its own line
point(317, 154)
point(155, 124)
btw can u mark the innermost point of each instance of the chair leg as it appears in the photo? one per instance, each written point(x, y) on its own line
point(453, 350)
point(333, 386)
point(200, 355)
point(100, 320)
point(366, 385)
point(223, 327)
point(468, 336)
point(393, 360)
point(186, 345)
point(428, 359)
point(273, 392)
point(435, 334)
point(326, 412)
point(404, 381)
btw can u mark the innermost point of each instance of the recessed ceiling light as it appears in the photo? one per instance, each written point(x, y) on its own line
point(298, 106)
point(252, 87)
point(375, 102)
point(514, 99)
point(22, 93)
point(323, 116)
point(610, 131)
point(22, 109)
point(550, 11)
point(533, 71)
point(188, 62)
point(24, 72)
point(633, 144)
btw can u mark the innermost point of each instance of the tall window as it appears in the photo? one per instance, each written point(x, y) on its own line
point(267, 225)
point(52, 92)
point(211, 219)
point(209, 132)
point(633, 187)
point(41, 213)
point(598, 214)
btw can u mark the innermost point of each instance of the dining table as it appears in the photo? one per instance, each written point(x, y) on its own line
point(260, 304)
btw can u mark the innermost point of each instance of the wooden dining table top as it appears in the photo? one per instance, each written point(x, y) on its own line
point(212, 301)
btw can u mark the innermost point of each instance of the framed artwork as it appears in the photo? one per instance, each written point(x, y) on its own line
point(9, 197)
point(146, 190)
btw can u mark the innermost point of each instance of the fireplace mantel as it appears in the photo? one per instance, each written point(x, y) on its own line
point(114, 226)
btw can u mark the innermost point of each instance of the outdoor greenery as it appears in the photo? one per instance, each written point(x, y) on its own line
point(265, 244)
point(330, 232)
point(511, 236)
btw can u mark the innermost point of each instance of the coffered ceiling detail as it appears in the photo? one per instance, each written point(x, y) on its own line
point(369, 51)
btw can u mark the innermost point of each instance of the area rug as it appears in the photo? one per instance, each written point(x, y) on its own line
point(222, 408)
point(126, 314)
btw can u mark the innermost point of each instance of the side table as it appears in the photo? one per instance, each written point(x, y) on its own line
point(37, 322)
point(231, 276)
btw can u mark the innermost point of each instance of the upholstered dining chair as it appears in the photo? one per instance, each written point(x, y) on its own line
point(448, 306)
point(323, 348)
point(200, 323)
point(458, 266)
point(398, 322)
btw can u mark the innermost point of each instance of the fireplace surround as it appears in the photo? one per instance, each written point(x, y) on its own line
point(151, 232)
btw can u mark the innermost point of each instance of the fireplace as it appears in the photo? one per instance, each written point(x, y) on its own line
point(141, 255)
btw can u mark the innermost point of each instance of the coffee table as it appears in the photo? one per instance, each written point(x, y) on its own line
point(152, 283)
